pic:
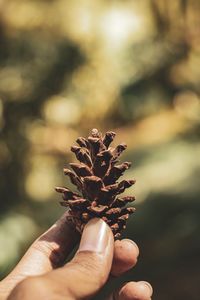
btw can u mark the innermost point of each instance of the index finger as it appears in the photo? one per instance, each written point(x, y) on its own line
point(48, 252)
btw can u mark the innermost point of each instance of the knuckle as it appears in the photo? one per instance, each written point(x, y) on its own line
point(49, 251)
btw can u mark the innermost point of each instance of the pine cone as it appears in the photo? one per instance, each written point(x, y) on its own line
point(96, 178)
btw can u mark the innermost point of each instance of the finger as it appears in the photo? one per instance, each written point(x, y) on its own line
point(141, 290)
point(83, 276)
point(125, 257)
point(49, 251)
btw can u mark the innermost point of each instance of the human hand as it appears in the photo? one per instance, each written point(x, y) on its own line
point(43, 274)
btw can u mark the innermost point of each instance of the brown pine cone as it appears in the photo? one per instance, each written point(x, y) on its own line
point(96, 178)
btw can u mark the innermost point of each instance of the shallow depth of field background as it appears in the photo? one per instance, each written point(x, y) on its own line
point(128, 66)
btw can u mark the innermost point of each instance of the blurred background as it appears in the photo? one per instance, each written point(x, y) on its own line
point(128, 66)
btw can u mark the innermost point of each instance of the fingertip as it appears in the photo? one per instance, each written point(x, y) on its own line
point(147, 285)
point(125, 256)
point(132, 245)
point(141, 290)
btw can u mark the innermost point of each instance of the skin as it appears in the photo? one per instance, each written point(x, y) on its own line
point(42, 273)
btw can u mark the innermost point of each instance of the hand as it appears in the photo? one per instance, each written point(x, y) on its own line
point(42, 274)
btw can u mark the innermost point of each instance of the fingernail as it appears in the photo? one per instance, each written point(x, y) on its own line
point(146, 284)
point(134, 244)
point(95, 236)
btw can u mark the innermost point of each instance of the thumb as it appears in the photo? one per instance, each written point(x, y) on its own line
point(89, 269)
